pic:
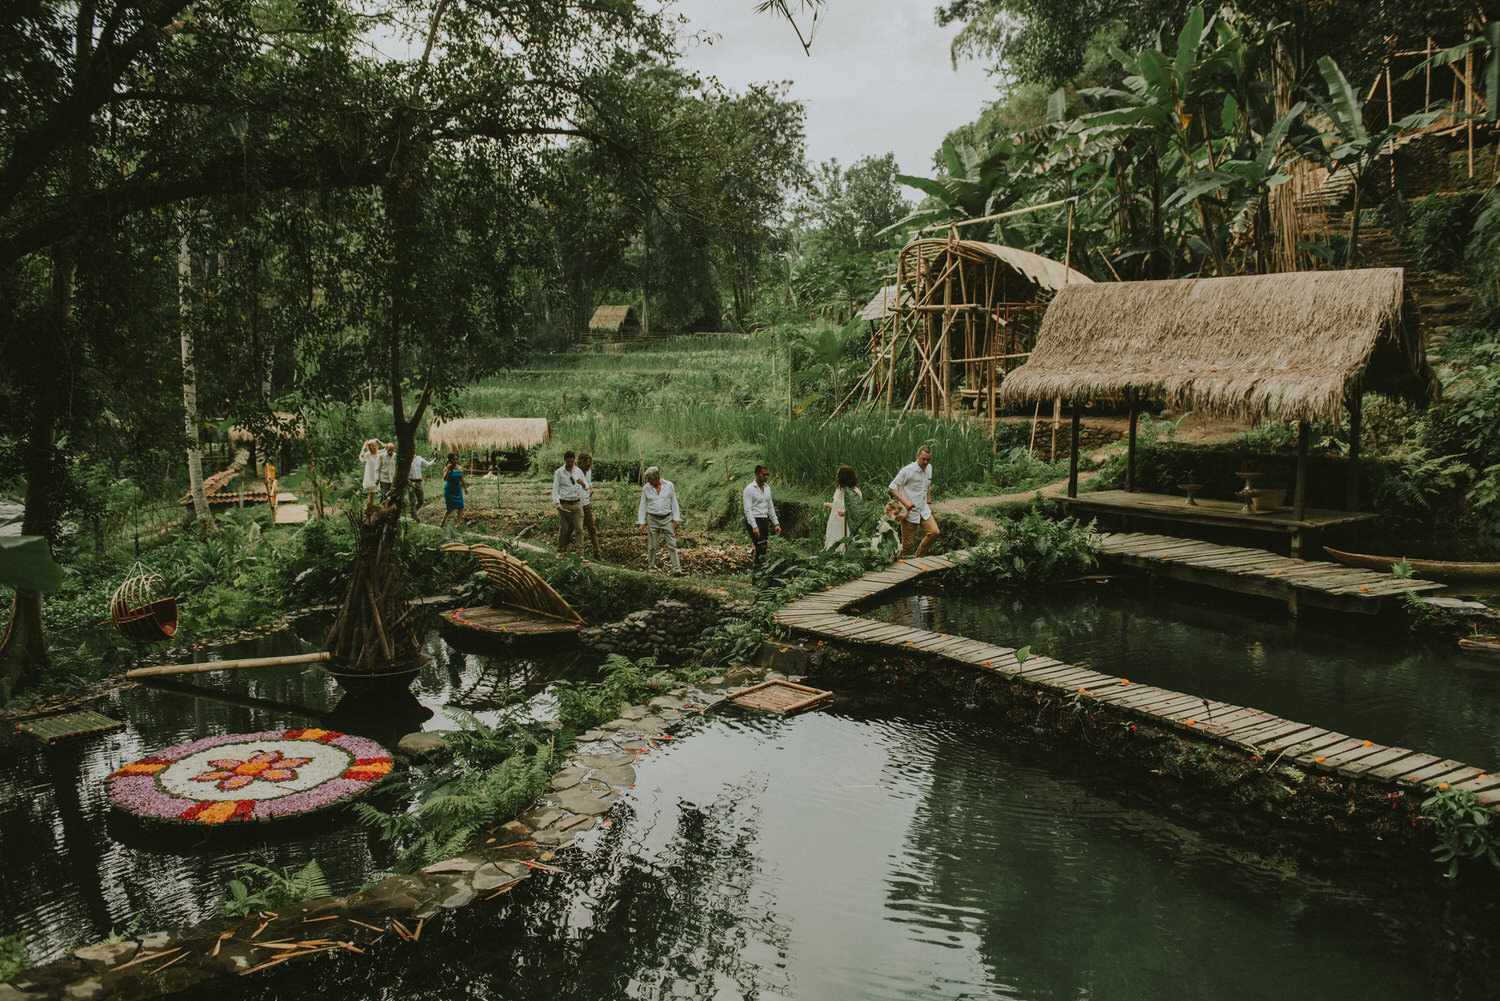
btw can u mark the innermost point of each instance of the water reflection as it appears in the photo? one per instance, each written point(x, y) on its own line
point(927, 855)
point(77, 871)
point(1387, 687)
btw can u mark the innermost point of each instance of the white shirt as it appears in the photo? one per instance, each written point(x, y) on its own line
point(372, 466)
point(658, 502)
point(387, 466)
point(417, 465)
point(565, 486)
point(914, 483)
point(758, 504)
point(588, 486)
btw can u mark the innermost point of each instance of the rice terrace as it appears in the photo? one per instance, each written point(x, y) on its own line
point(706, 498)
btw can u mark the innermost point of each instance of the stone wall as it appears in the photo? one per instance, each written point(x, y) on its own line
point(667, 629)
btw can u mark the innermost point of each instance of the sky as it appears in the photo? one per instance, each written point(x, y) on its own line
point(879, 79)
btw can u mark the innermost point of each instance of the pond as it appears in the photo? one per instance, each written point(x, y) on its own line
point(876, 851)
point(75, 872)
point(1361, 679)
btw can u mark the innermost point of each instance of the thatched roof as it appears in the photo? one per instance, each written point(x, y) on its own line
point(1042, 271)
point(614, 319)
point(482, 434)
point(287, 425)
point(1291, 345)
point(884, 304)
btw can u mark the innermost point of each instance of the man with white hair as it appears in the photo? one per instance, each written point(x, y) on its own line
point(658, 515)
point(386, 470)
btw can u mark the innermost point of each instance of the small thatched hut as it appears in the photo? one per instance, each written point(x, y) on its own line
point(619, 322)
point(488, 435)
point(1300, 345)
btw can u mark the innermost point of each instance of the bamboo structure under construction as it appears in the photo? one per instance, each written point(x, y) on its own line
point(377, 628)
point(961, 314)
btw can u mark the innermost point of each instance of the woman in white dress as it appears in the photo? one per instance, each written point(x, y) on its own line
point(845, 509)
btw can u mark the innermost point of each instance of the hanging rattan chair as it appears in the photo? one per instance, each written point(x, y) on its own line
point(140, 610)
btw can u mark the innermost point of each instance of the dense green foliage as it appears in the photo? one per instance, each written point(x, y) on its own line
point(265, 888)
point(1464, 828)
point(1033, 549)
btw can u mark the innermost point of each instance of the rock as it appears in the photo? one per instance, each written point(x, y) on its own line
point(424, 746)
point(665, 702)
point(492, 877)
point(83, 990)
point(460, 864)
point(103, 955)
point(589, 735)
point(671, 715)
point(568, 777)
point(158, 940)
point(460, 894)
point(542, 816)
point(606, 760)
point(617, 776)
point(579, 801)
point(634, 712)
point(579, 823)
point(651, 724)
point(774, 676)
point(516, 830)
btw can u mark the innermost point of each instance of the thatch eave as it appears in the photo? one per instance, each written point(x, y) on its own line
point(484, 434)
point(1289, 345)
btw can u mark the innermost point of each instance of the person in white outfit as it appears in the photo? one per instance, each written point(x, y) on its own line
point(414, 475)
point(567, 496)
point(913, 488)
point(658, 515)
point(760, 512)
point(369, 454)
point(385, 472)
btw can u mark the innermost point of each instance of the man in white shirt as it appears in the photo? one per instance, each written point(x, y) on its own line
point(567, 497)
point(385, 471)
point(415, 499)
point(586, 467)
point(913, 488)
point(658, 515)
point(760, 511)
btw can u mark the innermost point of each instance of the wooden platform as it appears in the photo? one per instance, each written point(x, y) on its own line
point(1300, 583)
point(1129, 508)
point(507, 624)
point(1251, 730)
point(51, 729)
point(781, 697)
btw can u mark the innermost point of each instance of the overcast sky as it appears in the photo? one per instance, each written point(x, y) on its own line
point(879, 79)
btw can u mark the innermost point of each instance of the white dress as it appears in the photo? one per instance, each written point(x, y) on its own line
point(838, 523)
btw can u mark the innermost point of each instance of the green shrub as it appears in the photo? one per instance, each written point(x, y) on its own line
point(1033, 549)
point(280, 888)
point(1464, 827)
point(1438, 231)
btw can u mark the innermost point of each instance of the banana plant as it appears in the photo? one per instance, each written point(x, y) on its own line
point(1357, 149)
point(973, 186)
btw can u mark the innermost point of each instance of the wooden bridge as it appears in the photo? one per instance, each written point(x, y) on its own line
point(1308, 747)
point(1300, 583)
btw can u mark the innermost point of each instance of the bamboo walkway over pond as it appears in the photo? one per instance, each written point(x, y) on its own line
point(1308, 747)
point(1309, 583)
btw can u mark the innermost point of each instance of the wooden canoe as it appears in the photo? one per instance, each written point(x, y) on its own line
point(1439, 570)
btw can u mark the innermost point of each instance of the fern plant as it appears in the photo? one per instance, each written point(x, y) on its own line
point(280, 888)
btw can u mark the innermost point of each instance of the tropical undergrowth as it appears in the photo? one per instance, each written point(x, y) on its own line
point(497, 769)
point(1464, 828)
point(265, 889)
point(1033, 549)
point(784, 576)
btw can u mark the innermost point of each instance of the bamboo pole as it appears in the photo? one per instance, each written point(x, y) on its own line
point(167, 670)
point(1001, 215)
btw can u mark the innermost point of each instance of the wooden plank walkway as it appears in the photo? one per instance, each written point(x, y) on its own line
point(1251, 730)
point(1300, 583)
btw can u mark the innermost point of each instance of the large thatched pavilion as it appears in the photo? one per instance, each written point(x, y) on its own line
point(1303, 346)
point(959, 316)
point(488, 435)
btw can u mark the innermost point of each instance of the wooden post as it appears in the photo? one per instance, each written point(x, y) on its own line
point(1130, 446)
point(1073, 454)
point(167, 670)
point(1351, 498)
point(1299, 504)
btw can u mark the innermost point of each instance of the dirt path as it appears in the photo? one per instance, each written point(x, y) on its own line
point(968, 507)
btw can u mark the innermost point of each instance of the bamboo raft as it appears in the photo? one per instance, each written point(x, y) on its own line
point(1309, 747)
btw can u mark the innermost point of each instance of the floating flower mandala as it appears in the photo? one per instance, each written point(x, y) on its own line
point(249, 777)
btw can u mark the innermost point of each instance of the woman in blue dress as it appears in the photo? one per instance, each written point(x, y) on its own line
point(453, 492)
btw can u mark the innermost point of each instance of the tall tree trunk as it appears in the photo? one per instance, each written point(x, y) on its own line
point(200, 509)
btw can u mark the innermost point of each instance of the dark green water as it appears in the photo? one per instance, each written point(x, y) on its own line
point(886, 854)
point(1362, 678)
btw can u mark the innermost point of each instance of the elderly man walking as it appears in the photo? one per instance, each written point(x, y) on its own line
point(658, 515)
point(415, 498)
point(567, 496)
point(760, 511)
point(913, 488)
point(385, 473)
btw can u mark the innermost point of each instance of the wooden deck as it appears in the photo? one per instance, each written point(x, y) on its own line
point(1300, 583)
point(1308, 747)
point(1129, 508)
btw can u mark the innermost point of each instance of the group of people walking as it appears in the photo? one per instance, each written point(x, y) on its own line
point(658, 514)
point(379, 460)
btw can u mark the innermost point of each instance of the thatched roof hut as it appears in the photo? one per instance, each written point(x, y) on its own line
point(284, 424)
point(1296, 345)
point(620, 321)
point(884, 304)
point(488, 434)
